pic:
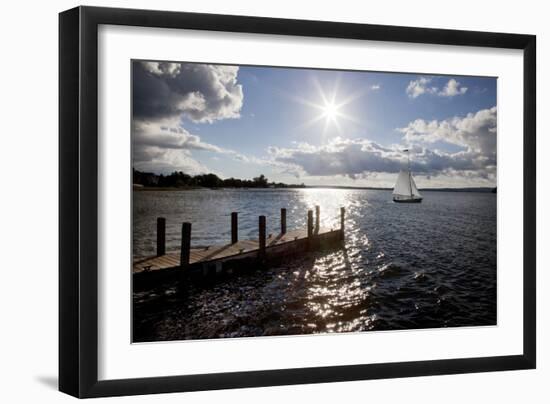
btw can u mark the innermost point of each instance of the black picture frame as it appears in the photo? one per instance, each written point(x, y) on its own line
point(78, 203)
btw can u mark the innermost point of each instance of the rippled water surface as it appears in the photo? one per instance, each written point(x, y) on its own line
point(404, 266)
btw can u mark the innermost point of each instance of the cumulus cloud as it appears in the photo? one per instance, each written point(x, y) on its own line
point(164, 147)
point(338, 157)
point(474, 133)
point(163, 161)
point(162, 68)
point(353, 157)
point(423, 85)
point(198, 92)
point(419, 87)
point(452, 88)
point(164, 93)
point(165, 136)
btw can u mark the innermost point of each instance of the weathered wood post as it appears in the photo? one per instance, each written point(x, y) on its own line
point(309, 229)
point(185, 252)
point(161, 236)
point(234, 227)
point(283, 220)
point(317, 218)
point(261, 237)
point(309, 224)
point(342, 219)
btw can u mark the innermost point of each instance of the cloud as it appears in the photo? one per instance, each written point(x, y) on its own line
point(375, 87)
point(419, 87)
point(423, 85)
point(164, 147)
point(474, 133)
point(164, 93)
point(163, 136)
point(163, 161)
point(162, 68)
point(338, 157)
point(359, 157)
point(198, 92)
point(452, 88)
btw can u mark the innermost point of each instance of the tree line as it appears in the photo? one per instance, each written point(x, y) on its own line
point(179, 179)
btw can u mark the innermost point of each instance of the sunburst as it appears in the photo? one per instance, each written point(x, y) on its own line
point(331, 109)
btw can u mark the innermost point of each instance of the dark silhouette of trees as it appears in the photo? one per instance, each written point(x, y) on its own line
point(260, 182)
point(179, 179)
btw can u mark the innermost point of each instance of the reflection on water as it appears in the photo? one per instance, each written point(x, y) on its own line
point(209, 212)
point(404, 266)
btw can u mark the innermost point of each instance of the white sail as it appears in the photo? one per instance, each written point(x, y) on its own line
point(403, 185)
point(415, 192)
point(405, 189)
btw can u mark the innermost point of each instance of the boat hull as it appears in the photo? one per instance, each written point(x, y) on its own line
point(416, 200)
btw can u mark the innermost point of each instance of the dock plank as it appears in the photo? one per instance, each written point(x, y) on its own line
point(219, 252)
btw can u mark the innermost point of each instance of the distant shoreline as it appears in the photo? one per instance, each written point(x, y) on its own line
point(141, 188)
point(465, 189)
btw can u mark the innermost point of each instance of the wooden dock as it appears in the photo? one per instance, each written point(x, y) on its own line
point(217, 258)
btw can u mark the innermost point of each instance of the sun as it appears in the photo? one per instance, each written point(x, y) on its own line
point(331, 108)
point(330, 111)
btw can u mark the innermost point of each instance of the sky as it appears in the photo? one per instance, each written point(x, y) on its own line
point(318, 127)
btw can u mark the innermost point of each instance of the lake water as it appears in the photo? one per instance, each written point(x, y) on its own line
point(404, 266)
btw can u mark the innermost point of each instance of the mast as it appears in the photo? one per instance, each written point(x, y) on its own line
point(409, 170)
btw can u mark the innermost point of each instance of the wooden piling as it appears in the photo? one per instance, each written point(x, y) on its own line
point(216, 258)
point(234, 227)
point(161, 236)
point(342, 220)
point(261, 238)
point(185, 252)
point(317, 218)
point(309, 224)
point(283, 220)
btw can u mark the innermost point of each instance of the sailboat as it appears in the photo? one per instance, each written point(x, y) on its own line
point(405, 190)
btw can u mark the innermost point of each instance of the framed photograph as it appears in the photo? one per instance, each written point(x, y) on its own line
point(251, 201)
